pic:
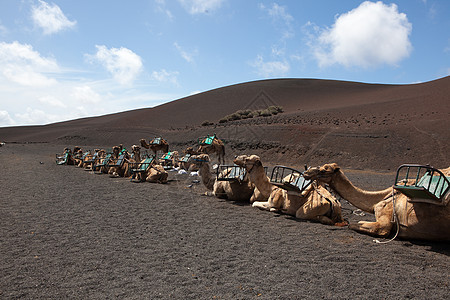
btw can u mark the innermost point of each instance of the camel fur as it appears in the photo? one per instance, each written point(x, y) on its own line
point(216, 147)
point(314, 204)
point(162, 146)
point(416, 220)
point(231, 190)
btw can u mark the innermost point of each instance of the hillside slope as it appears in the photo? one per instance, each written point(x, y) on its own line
point(356, 124)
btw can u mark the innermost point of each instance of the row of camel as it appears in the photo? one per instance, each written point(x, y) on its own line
point(392, 210)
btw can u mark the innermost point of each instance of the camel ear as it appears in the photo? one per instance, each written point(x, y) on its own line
point(335, 167)
point(254, 158)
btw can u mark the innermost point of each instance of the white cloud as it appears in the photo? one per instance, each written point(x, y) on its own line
point(367, 36)
point(85, 95)
point(200, 6)
point(123, 64)
point(52, 101)
point(270, 68)
point(189, 57)
point(278, 12)
point(165, 76)
point(19, 63)
point(50, 18)
point(161, 7)
point(35, 116)
point(5, 118)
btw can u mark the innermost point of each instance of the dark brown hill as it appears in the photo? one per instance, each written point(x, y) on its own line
point(358, 125)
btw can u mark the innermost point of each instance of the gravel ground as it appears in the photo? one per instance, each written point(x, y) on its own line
point(68, 233)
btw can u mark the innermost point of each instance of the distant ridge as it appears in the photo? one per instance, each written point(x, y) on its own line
point(410, 116)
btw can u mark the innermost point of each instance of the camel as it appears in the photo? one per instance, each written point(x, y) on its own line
point(157, 144)
point(315, 203)
point(94, 159)
point(66, 158)
point(415, 220)
point(170, 159)
point(157, 174)
point(215, 146)
point(231, 190)
point(120, 165)
point(185, 163)
point(87, 158)
point(191, 151)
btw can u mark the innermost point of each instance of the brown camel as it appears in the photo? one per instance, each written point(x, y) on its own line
point(315, 203)
point(232, 190)
point(415, 220)
point(157, 174)
point(212, 144)
point(157, 144)
point(185, 163)
point(119, 165)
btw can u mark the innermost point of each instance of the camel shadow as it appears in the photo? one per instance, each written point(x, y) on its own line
point(436, 247)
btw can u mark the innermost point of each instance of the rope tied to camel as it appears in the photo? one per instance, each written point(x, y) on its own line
point(394, 219)
point(331, 210)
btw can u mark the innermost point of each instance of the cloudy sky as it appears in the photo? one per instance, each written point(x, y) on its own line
point(62, 60)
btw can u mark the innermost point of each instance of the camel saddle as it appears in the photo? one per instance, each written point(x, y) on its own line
point(230, 173)
point(423, 183)
point(156, 141)
point(289, 179)
point(207, 140)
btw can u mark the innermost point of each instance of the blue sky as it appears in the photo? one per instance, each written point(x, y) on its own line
point(61, 60)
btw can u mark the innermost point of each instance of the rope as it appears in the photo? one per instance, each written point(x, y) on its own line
point(395, 219)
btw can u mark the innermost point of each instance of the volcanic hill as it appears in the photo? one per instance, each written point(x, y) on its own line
point(358, 125)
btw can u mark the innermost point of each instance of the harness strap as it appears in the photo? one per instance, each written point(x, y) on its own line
point(331, 210)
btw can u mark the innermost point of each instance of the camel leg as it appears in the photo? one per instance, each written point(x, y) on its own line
point(315, 212)
point(382, 226)
point(261, 205)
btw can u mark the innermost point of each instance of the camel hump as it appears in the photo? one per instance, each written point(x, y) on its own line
point(422, 183)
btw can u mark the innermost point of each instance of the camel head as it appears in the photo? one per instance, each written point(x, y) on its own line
point(144, 143)
point(324, 173)
point(102, 153)
point(135, 148)
point(191, 151)
point(116, 151)
point(247, 162)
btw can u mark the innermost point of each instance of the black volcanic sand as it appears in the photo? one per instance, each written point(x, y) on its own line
point(68, 233)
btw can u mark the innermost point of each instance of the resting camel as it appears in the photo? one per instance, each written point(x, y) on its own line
point(119, 170)
point(157, 174)
point(185, 163)
point(315, 203)
point(216, 147)
point(415, 220)
point(157, 144)
point(231, 190)
point(171, 161)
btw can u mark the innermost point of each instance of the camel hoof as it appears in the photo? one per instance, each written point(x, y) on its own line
point(341, 224)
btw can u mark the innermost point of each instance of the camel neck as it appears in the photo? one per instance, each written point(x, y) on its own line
point(364, 200)
point(259, 178)
point(207, 178)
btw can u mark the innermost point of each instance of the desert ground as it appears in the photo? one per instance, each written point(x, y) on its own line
point(69, 233)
